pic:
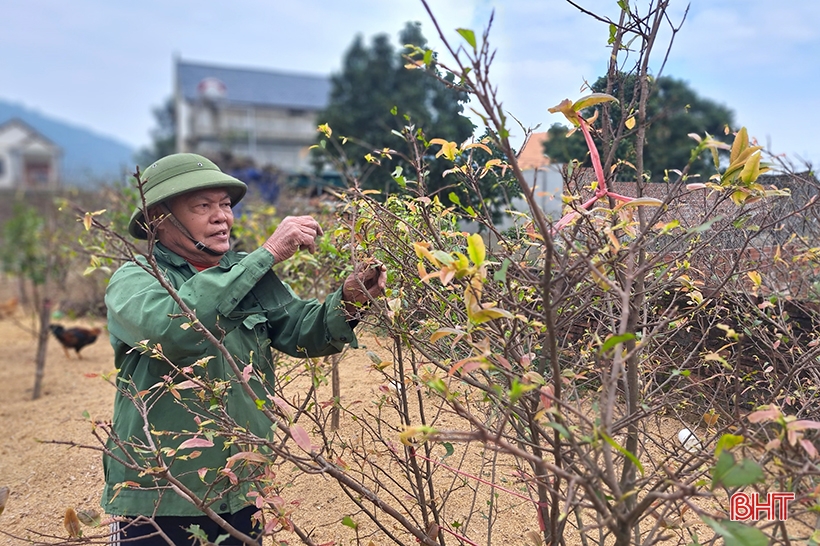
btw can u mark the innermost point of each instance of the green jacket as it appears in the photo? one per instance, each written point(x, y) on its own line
point(241, 296)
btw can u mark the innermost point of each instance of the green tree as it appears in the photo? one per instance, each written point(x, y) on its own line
point(163, 136)
point(375, 93)
point(674, 111)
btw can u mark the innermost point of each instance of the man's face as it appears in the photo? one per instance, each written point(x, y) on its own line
point(208, 216)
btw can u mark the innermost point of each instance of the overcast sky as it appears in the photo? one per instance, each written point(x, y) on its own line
point(105, 64)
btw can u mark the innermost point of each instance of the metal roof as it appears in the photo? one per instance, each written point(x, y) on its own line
point(253, 86)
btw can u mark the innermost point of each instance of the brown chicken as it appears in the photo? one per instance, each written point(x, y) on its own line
point(74, 338)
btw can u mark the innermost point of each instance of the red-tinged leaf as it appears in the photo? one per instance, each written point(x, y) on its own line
point(250, 456)
point(282, 405)
point(195, 442)
point(231, 476)
point(300, 436)
point(803, 425)
point(772, 412)
point(341, 464)
point(91, 375)
point(809, 447)
point(188, 385)
point(270, 526)
point(546, 394)
point(246, 372)
point(466, 365)
point(202, 472)
point(441, 332)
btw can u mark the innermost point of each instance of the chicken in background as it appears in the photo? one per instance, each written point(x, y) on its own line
point(8, 307)
point(74, 338)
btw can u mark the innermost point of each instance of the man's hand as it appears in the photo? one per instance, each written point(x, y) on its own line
point(293, 233)
point(364, 284)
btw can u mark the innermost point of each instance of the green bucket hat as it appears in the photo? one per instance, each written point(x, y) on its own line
point(177, 174)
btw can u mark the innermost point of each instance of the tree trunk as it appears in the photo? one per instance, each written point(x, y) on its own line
point(336, 386)
point(44, 310)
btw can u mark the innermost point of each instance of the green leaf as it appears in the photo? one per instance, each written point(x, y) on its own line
point(394, 110)
point(622, 450)
point(729, 473)
point(706, 226)
point(727, 441)
point(612, 32)
point(348, 522)
point(501, 274)
point(449, 449)
point(454, 198)
point(737, 534)
point(614, 340)
point(428, 57)
point(468, 35)
point(562, 430)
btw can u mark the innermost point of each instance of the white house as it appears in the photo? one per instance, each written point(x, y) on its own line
point(268, 116)
point(28, 160)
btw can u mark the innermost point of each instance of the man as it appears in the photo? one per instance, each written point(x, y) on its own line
point(239, 299)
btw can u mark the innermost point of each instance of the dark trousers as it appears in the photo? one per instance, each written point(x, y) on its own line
point(176, 528)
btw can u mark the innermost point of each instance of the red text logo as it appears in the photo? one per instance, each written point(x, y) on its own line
point(743, 507)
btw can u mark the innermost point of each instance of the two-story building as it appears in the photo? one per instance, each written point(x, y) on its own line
point(28, 160)
point(267, 116)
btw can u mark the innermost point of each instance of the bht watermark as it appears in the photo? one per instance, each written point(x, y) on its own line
point(743, 507)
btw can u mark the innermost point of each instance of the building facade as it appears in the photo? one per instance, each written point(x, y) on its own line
point(28, 160)
point(268, 117)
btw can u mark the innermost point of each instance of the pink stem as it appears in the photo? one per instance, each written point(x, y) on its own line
point(600, 191)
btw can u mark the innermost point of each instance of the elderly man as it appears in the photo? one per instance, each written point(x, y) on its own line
point(235, 295)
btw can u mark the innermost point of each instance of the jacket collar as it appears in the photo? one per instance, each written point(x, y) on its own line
point(167, 255)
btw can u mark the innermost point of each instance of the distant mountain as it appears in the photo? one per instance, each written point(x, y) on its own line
point(89, 159)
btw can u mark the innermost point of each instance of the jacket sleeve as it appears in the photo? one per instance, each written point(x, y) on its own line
point(307, 328)
point(140, 309)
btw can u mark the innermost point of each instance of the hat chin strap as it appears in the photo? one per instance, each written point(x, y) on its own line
point(182, 229)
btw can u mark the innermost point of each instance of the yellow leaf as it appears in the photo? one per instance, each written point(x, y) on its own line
point(751, 170)
point(476, 249)
point(87, 220)
point(479, 145)
point(640, 202)
point(592, 100)
point(741, 143)
point(448, 149)
point(422, 251)
point(565, 107)
point(630, 122)
point(756, 279)
point(488, 314)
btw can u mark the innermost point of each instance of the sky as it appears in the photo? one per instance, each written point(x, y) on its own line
point(105, 64)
